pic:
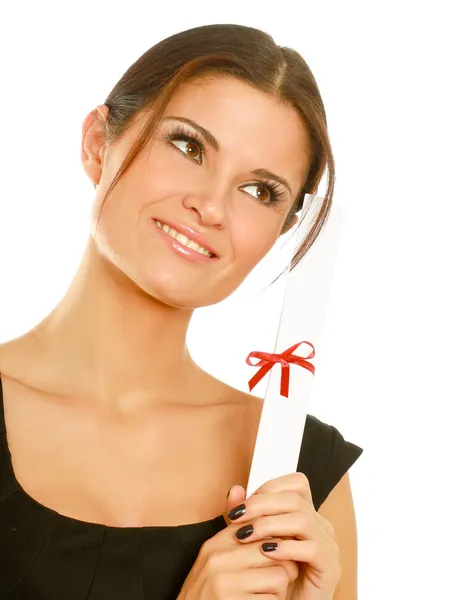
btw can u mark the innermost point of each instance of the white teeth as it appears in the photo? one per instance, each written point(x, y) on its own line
point(193, 245)
point(183, 239)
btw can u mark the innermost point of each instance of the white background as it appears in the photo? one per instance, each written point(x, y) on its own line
point(384, 373)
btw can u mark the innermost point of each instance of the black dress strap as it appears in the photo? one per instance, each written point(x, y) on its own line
point(2, 410)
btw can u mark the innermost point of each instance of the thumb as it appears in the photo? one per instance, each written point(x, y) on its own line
point(236, 495)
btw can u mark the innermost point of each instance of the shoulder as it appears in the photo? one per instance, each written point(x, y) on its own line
point(24, 360)
point(11, 365)
point(13, 353)
point(325, 457)
point(8, 357)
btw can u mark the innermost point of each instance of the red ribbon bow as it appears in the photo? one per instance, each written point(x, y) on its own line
point(268, 360)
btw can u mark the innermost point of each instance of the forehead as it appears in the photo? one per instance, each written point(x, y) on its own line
point(245, 119)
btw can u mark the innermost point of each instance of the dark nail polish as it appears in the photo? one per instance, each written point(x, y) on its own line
point(236, 512)
point(269, 546)
point(244, 532)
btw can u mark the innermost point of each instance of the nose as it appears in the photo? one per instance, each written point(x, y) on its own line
point(211, 204)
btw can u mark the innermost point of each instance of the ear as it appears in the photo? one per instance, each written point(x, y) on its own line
point(287, 226)
point(92, 147)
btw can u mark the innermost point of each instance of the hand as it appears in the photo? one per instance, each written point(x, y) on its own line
point(225, 569)
point(283, 509)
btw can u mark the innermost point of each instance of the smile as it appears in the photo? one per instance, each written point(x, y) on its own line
point(183, 240)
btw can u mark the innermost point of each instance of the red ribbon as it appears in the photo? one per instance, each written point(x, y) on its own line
point(268, 360)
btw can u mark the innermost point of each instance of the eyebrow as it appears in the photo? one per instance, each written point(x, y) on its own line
point(270, 175)
point(206, 134)
point(213, 142)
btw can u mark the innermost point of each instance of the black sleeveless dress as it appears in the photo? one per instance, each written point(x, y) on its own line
point(48, 556)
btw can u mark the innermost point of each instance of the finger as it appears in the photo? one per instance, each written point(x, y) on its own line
point(247, 556)
point(300, 526)
point(236, 496)
point(293, 481)
point(278, 503)
point(323, 559)
point(289, 501)
point(265, 580)
point(327, 526)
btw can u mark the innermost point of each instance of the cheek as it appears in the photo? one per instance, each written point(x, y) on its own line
point(250, 246)
point(168, 174)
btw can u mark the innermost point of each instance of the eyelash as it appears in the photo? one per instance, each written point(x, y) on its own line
point(179, 133)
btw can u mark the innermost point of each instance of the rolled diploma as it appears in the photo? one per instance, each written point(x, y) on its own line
point(303, 316)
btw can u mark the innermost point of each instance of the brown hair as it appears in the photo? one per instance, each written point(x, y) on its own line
point(245, 53)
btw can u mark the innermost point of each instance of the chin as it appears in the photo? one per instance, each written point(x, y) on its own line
point(178, 296)
point(165, 293)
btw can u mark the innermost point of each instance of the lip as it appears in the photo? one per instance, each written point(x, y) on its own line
point(183, 251)
point(191, 234)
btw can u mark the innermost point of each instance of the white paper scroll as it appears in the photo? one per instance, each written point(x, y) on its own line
point(302, 318)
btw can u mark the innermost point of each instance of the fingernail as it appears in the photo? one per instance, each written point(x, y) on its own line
point(236, 512)
point(269, 546)
point(244, 532)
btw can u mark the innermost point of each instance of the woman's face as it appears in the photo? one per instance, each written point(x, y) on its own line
point(212, 190)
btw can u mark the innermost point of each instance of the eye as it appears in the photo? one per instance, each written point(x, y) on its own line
point(191, 148)
point(186, 142)
point(267, 193)
point(263, 193)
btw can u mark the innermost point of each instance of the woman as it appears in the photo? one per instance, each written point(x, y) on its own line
point(117, 449)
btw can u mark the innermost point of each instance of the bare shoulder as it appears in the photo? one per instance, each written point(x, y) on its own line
point(9, 353)
point(241, 400)
point(16, 359)
point(240, 407)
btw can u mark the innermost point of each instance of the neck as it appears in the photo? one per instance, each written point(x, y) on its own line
point(116, 343)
